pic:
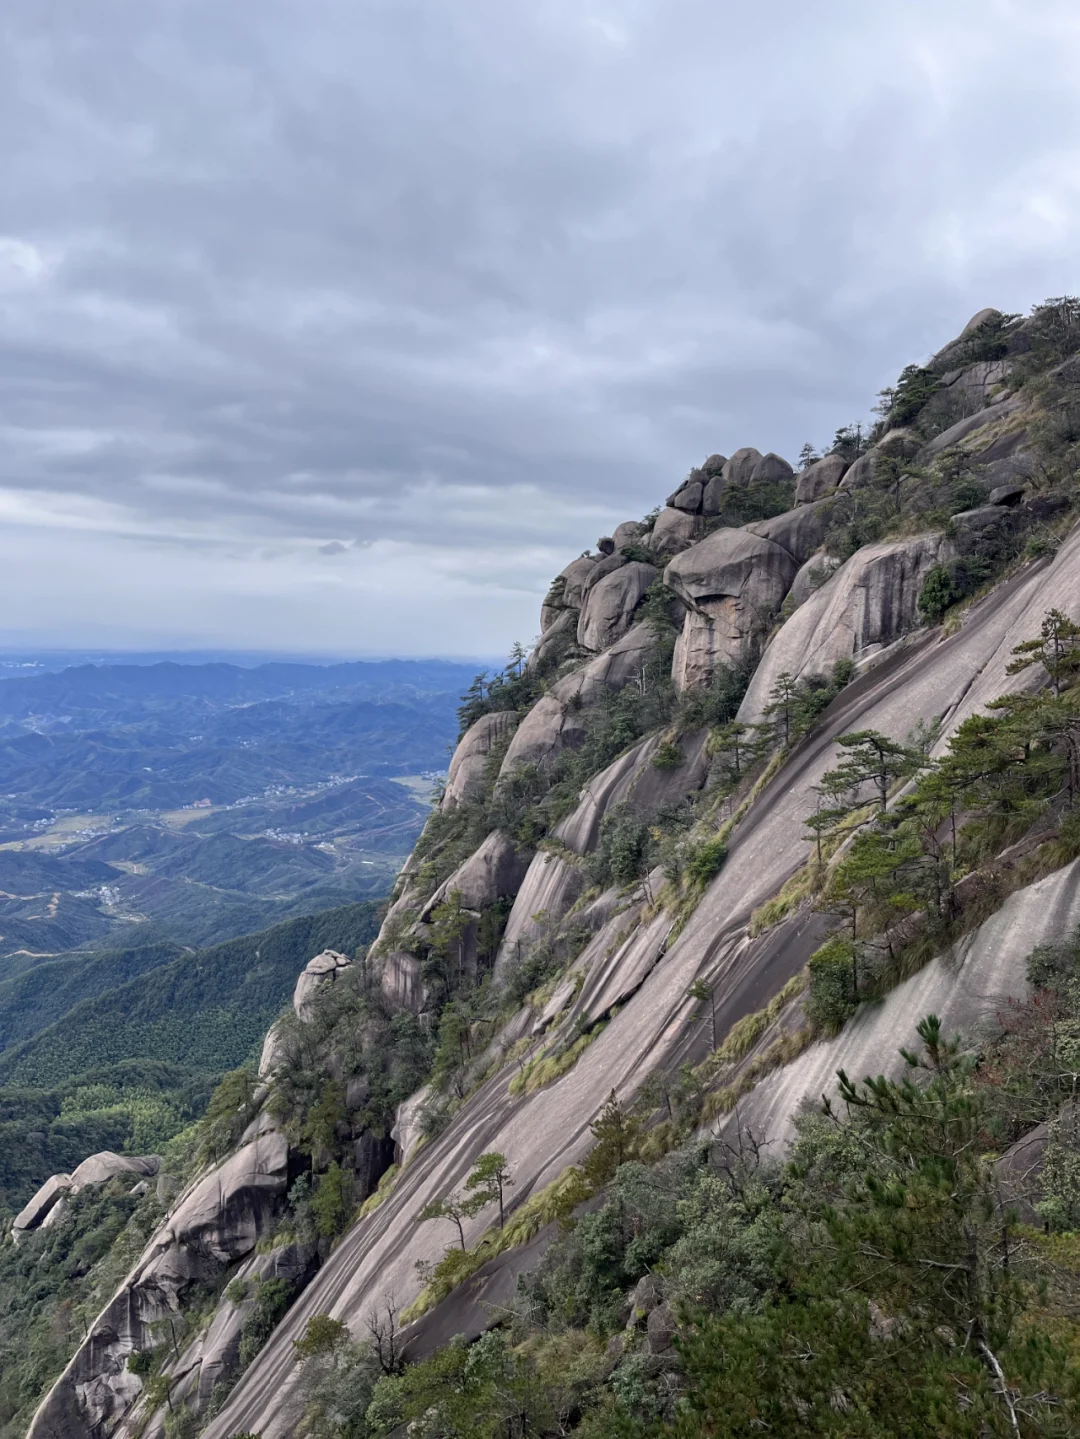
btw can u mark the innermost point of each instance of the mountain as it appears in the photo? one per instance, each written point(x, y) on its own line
point(788, 784)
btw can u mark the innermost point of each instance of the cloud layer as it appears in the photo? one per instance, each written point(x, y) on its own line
point(341, 326)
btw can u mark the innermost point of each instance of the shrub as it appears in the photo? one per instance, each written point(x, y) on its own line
point(706, 860)
point(668, 756)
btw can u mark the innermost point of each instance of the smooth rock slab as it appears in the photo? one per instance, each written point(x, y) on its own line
point(465, 778)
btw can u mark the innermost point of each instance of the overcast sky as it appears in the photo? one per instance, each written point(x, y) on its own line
point(342, 325)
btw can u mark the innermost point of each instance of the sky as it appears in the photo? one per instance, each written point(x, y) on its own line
point(340, 326)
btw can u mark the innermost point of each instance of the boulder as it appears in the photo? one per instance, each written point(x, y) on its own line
point(986, 531)
point(606, 565)
point(274, 1050)
point(628, 533)
point(714, 465)
point(901, 443)
point(771, 469)
point(868, 603)
point(552, 644)
point(101, 1167)
point(58, 1214)
point(674, 530)
point(733, 583)
point(557, 720)
point(740, 468)
point(661, 1329)
point(465, 779)
point(860, 472)
point(35, 1210)
point(800, 531)
point(688, 497)
point(633, 779)
point(967, 429)
point(324, 968)
point(566, 589)
point(820, 479)
point(493, 872)
point(813, 574)
point(609, 607)
point(224, 1213)
point(1006, 495)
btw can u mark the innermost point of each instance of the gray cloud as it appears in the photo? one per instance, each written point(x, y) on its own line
point(441, 289)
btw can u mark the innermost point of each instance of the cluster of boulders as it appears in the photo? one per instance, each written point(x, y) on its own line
point(50, 1207)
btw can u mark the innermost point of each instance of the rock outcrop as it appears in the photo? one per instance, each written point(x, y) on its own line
point(323, 969)
point(732, 583)
point(465, 778)
point(820, 479)
point(49, 1205)
point(610, 604)
point(867, 604)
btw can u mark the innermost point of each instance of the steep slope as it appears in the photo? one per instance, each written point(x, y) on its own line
point(603, 848)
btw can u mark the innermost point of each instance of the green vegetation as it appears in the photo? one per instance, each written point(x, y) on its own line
point(876, 1283)
point(207, 1011)
point(896, 884)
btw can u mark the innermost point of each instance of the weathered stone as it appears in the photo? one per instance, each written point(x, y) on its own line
point(628, 533)
point(634, 780)
point(969, 430)
point(609, 607)
point(408, 1127)
point(35, 1210)
point(493, 872)
point(820, 479)
point(733, 582)
point(101, 1167)
point(605, 545)
point(549, 890)
point(771, 469)
point(800, 531)
point(869, 602)
point(400, 979)
point(740, 468)
point(986, 531)
point(466, 775)
point(553, 643)
point(813, 574)
point(1006, 495)
point(324, 968)
point(273, 1052)
point(647, 1295)
point(688, 497)
point(978, 383)
point(566, 590)
point(674, 530)
point(661, 1329)
point(860, 472)
point(60, 1211)
point(606, 565)
point(900, 443)
point(557, 721)
point(714, 465)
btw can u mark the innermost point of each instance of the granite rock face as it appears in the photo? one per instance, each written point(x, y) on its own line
point(610, 604)
point(868, 603)
point(323, 969)
point(675, 530)
point(493, 872)
point(732, 583)
point(467, 766)
point(799, 531)
point(820, 479)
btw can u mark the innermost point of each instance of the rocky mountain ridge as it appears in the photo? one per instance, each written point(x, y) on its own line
point(602, 856)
